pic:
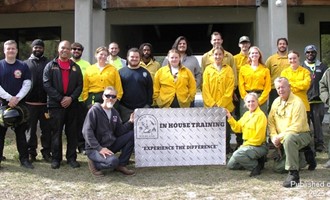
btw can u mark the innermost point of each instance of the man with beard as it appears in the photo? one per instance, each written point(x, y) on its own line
point(105, 135)
point(37, 104)
point(15, 83)
point(276, 63)
point(63, 83)
point(113, 58)
point(135, 80)
point(76, 52)
point(316, 69)
point(148, 61)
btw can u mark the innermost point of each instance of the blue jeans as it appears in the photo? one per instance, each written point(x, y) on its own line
point(123, 143)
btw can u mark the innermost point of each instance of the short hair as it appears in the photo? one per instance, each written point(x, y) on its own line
point(76, 44)
point(281, 79)
point(114, 43)
point(284, 39)
point(99, 49)
point(9, 42)
point(176, 44)
point(110, 88)
point(216, 33)
point(134, 49)
point(252, 94)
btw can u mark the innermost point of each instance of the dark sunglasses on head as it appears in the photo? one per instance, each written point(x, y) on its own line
point(112, 96)
point(78, 49)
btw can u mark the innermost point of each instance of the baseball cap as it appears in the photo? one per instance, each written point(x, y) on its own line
point(244, 39)
point(310, 48)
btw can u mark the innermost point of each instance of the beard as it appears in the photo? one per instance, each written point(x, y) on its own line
point(38, 54)
point(109, 105)
point(133, 64)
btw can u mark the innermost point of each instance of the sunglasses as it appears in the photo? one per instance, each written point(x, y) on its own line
point(112, 96)
point(76, 49)
point(310, 52)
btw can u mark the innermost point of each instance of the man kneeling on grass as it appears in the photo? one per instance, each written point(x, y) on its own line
point(105, 135)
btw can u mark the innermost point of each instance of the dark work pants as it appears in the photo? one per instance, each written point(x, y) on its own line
point(81, 114)
point(37, 113)
point(124, 143)
point(239, 140)
point(21, 142)
point(272, 96)
point(316, 117)
point(58, 118)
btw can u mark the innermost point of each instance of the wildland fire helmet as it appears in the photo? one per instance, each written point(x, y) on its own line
point(11, 117)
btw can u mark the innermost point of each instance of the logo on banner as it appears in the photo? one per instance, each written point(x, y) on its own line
point(147, 127)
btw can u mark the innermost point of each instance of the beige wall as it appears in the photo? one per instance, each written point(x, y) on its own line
point(301, 35)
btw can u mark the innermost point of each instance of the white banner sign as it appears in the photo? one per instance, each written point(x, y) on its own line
point(180, 137)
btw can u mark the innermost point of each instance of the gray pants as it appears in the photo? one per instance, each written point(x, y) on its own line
point(292, 158)
point(247, 157)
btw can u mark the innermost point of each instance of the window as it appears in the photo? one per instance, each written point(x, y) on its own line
point(325, 43)
point(24, 37)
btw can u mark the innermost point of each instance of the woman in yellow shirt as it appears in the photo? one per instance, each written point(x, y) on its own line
point(174, 84)
point(299, 78)
point(253, 125)
point(99, 76)
point(255, 77)
point(218, 87)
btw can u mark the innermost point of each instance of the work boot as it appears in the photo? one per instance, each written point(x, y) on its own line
point(310, 158)
point(124, 170)
point(261, 162)
point(256, 171)
point(93, 170)
point(292, 180)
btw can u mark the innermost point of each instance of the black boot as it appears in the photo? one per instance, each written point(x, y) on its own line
point(256, 171)
point(292, 180)
point(310, 158)
point(261, 162)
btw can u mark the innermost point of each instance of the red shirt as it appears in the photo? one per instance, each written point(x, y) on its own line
point(65, 69)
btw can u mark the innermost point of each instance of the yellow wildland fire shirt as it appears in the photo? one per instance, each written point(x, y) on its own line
point(254, 80)
point(96, 81)
point(287, 117)
point(253, 126)
point(166, 86)
point(300, 80)
point(276, 64)
point(218, 87)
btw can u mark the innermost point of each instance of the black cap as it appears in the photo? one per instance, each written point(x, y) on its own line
point(38, 42)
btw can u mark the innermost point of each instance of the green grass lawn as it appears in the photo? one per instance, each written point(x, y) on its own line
point(196, 182)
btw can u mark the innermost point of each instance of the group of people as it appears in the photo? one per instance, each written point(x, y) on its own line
point(95, 103)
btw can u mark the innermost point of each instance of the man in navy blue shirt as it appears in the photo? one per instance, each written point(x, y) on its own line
point(15, 83)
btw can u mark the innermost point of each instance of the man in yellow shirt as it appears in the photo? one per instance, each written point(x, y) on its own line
point(276, 63)
point(289, 130)
point(147, 59)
